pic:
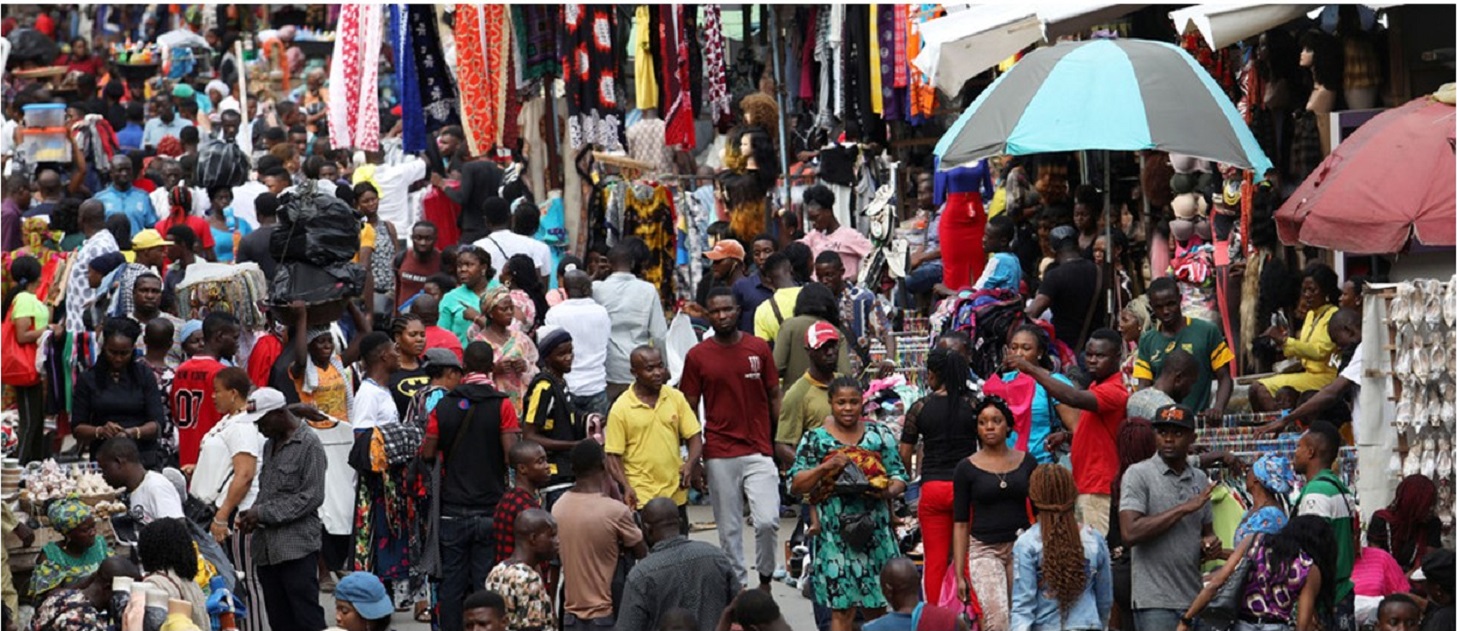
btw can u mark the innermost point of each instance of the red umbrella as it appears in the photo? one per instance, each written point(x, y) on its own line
point(1390, 181)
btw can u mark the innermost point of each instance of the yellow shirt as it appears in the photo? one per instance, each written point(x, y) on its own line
point(330, 397)
point(766, 324)
point(647, 440)
point(1314, 347)
point(366, 240)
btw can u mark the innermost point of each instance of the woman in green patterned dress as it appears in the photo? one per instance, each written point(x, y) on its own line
point(854, 539)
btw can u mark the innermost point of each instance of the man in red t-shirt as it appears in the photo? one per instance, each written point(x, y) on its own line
point(735, 377)
point(1104, 405)
point(416, 265)
point(192, 408)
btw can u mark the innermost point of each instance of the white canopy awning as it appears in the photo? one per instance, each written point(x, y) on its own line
point(1226, 23)
point(965, 43)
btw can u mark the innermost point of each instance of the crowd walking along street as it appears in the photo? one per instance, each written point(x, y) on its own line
point(1007, 316)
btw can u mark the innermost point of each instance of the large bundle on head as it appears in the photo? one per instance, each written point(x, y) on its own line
point(221, 163)
point(315, 244)
point(988, 317)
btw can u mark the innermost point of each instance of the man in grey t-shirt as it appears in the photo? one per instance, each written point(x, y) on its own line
point(1165, 517)
point(1176, 378)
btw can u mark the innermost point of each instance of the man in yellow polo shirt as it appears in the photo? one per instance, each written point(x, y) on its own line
point(644, 430)
point(778, 272)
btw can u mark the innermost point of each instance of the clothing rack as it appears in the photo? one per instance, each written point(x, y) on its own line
point(1242, 419)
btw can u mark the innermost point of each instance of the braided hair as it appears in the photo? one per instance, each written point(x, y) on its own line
point(1064, 572)
point(951, 368)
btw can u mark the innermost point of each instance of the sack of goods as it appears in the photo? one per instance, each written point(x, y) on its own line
point(221, 164)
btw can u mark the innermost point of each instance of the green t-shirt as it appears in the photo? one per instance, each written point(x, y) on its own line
point(1198, 338)
point(26, 305)
point(806, 405)
point(1327, 497)
point(452, 311)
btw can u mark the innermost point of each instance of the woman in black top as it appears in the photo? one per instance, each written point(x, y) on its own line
point(945, 421)
point(408, 332)
point(119, 396)
point(990, 509)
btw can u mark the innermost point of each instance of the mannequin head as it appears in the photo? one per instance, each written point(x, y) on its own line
point(1321, 54)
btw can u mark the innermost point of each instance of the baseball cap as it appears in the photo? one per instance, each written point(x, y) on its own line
point(148, 239)
point(1174, 414)
point(1436, 566)
point(441, 357)
point(819, 334)
point(261, 402)
point(366, 593)
point(725, 249)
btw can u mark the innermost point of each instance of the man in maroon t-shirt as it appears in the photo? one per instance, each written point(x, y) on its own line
point(417, 264)
point(734, 375)
point(1104, 405)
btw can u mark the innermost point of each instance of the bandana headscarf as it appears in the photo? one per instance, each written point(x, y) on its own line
point(68, 514)
point(495, 297)
point(219, 87)
point(192, 326)
point(35, 232)
point(311, 371)
point(1275, 473)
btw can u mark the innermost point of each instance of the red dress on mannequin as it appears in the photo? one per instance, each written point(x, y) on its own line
point(963, 222)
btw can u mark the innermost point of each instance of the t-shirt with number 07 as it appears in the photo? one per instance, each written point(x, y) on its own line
point(192, 407)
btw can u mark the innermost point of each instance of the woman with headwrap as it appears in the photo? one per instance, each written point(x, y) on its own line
point(319, 375)
point(1408, 527)
point(119, 396)
point(179, 203)
point(1269, 481)
point(515, 352)
point(76, 555)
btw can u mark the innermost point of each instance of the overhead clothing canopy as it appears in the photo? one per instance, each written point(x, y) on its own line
point(1118, 95)
point(1390, 182)
point(1226, 23)
point(973, 40)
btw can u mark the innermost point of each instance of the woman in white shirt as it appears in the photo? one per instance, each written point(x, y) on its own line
point(227, 466)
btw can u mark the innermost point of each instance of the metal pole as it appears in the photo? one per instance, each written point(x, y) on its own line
point(774, 44)
point(1114, 296)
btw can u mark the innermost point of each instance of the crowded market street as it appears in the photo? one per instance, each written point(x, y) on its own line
point(1001, 316)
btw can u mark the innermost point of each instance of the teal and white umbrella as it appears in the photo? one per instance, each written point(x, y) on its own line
point(1117, 95)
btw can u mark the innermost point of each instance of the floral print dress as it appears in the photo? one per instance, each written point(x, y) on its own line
point(843, 577)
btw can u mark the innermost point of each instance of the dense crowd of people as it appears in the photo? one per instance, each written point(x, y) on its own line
point(496, 434)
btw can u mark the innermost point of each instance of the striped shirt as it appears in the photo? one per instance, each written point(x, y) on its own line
point(1327, 497)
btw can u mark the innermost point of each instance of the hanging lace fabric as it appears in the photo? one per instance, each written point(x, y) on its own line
point(718, 105)
point(591, 74)
point(482, 44)
point(354, 78)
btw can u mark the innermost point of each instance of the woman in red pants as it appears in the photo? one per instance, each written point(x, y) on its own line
point(965, 191)
point(945, 422)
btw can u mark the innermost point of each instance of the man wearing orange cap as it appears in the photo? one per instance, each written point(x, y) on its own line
point(728, 267)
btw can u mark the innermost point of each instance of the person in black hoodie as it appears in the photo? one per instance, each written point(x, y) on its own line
point(472, 429)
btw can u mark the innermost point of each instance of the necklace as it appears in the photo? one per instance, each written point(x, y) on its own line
point(1003, 479)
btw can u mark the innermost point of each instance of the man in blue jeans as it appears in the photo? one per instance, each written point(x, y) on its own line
point(1165, 517)
point(472, 429)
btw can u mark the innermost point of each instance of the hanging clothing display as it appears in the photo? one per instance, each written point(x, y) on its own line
point(676, 96)
point(643, 70)
point(646, 143)
point(879, 64)
point(827, 55)
point(719, 107)
point(591, 74)
point(438, 100)
point(963, 222)
point(922, 93)
point(695, 212)
point(537, 34)
point(695, 57)
point(482, 44)
point(354, 78)
point(648, 214)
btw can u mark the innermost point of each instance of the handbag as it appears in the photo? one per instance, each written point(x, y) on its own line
point(857, 531)
point(1223, 610)
point(17, 361)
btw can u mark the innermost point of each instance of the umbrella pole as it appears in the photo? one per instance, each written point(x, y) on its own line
point(1114, 295)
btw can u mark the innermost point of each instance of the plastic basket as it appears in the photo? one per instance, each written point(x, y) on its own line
point(45, 115)
point(48, 144)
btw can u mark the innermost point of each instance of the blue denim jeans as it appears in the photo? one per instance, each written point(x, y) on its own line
point(467, 549)
point(1156, 619)
point(593, 404)
point(924, 278)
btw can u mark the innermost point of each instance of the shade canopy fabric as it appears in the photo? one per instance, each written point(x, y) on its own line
point(1389, 182)
point(1118, 95)
point(1226, 23)
point(973, 40)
